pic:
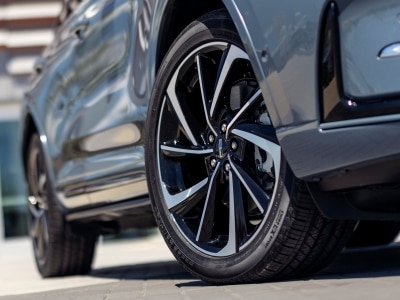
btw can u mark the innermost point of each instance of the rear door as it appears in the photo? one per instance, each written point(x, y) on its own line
point(100, 130)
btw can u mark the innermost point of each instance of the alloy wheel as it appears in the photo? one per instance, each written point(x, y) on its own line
point(37, 204)
point(218, 155)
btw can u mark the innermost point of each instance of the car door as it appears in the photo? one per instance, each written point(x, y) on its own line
point(100, 132)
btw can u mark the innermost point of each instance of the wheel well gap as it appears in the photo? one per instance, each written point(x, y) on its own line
point(179, 14)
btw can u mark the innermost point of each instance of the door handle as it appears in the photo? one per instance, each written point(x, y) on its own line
point(79, 29)
point(39, 65)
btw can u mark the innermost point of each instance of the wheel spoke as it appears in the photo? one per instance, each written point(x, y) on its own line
point(208, 215)
point(261, 136)
point(33, 181)
point(179, 151)
point(37, 182)
point(41, 184)
point(35, 225)
point(235, 193)
point(245, 107)
point(173, 98)
point(231, 54)
point(257, 193)
point(174, 202)
point(204, 83)
point(237, 220)
point(189, 203)
point(45, 232)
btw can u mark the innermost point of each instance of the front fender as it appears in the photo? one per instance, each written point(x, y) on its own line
point(281, 37)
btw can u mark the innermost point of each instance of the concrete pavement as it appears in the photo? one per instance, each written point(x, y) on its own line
point(18, 274)
point(145, 269)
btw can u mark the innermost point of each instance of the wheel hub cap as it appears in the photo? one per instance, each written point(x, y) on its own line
point(220, 148)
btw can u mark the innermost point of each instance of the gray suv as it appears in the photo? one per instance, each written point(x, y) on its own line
point(260, 136)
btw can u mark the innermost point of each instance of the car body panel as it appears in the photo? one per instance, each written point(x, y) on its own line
point(281, 37)
point(92, 115)
point(282, 40)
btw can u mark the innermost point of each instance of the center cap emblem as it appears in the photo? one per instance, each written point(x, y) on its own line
point(220, 148)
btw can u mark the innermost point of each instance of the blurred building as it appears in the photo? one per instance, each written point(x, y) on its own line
point(25, 28)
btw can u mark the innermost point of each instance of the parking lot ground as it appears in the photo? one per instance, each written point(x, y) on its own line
point(145, 269)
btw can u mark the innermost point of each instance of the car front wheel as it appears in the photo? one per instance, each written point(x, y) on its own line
point(224, 197)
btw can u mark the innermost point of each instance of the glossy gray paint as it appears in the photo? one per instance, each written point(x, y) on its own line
point(367, 27)
point(90, 103)
point(282, 38)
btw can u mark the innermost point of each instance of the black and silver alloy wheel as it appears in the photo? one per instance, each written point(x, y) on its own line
point(224, 198)
point(217, 157)
point(37, 204)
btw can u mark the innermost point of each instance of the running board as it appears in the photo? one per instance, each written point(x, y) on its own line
point(113, 211)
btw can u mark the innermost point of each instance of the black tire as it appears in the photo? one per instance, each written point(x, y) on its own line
point(58, 249)
point(224, 198)
point(374, 233)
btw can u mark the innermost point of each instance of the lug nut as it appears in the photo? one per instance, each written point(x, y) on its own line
point(213, 163)
point(224, 126)
point(234, 145)
point(227, 167)
point(211, 138)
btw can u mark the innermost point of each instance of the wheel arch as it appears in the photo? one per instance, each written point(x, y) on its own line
point(177, 14)
point(29, 128)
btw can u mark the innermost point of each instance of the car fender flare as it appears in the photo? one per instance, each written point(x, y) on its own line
point(278, 52)
point(30, 112)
